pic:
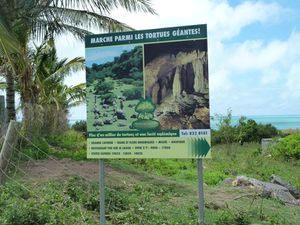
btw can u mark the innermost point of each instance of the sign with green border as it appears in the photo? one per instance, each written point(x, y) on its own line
point(148, 94)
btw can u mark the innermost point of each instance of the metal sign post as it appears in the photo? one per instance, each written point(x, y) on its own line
point(102, 192)
point(200, 191)
point(2, 110)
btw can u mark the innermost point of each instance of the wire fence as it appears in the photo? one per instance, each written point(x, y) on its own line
point(17, 172)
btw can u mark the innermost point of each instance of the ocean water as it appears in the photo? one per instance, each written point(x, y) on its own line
point(280, 122)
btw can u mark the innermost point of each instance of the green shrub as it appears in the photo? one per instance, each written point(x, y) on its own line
point(138, 83)
point(108, 98)
point(103, 87)
point(79, 126)
point(247, 130)
point(38, 148)
point(288, 147)
point(24, 213)
point(213, 177)
point(226, 133)
point(118, 200)
point(70, 140)
point(229, 217)
point(127, 80)
point(134, 93)
point(69, 145)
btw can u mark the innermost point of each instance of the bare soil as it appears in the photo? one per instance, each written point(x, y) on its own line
point(61, 169)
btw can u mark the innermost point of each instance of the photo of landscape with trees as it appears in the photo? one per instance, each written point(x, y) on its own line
point(114, 87)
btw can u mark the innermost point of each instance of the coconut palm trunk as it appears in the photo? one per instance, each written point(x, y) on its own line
point(10, 97)
point(26, 99)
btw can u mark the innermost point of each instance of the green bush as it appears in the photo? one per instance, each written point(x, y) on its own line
point(103, 87)
point(118, 200)
point(38, 148)
point(79, 126)
point(230, 217)
point(71, 145)
point(127, 80)
point(213, 177)
point(108, 98)
point(288, 147)
point(138, 83)
point(134, 93)
point(24, 213)
point(247, 130)
point(226, 133)
point(70, 140)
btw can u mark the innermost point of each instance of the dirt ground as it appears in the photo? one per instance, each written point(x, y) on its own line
point(43, 170)
point(61, 169)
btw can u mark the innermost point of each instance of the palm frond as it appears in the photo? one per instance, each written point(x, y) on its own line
point(133, 5)
point(84, 19)
point(66, 69)
point(43, 30)
point(2, 85)
point(9, 47)
point(105, 6)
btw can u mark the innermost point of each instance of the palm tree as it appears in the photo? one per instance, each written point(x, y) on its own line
point(8, 47)
point(26, 20)
point(51, 97)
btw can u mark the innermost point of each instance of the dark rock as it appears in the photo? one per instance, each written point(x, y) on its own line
point(293, 190)
point(134, 116)
point(186, 105)
point(200, 118)
point(228, 181)
point(120, 115)
point(97, 123)
point(96, 111)
point(200, 100)
point(159, 113)
point(268, 189)
point(122, 98)
point(131, 105)
point(170, 121)
point(108, 121)
point(105, 106)
point(121, 125)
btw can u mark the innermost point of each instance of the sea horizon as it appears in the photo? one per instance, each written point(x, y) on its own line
point(281, 122)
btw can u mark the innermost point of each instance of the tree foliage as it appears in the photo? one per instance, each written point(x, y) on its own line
point(103, 87)
point(288, 147)
point(145, 108)
point(51, 97)
point(246, 130)
point(126, 67)
point(25, 20)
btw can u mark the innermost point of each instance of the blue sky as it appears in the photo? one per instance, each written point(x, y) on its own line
point(254, 51)
point(104, 54)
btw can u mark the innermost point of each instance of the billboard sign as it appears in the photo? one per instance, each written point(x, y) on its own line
point(148, 94)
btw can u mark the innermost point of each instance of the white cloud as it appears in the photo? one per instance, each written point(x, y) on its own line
point(254, 55)
point(293, 82)
point(265, 75)
point(269, 61)
point(224, 21)
point(270, 77)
